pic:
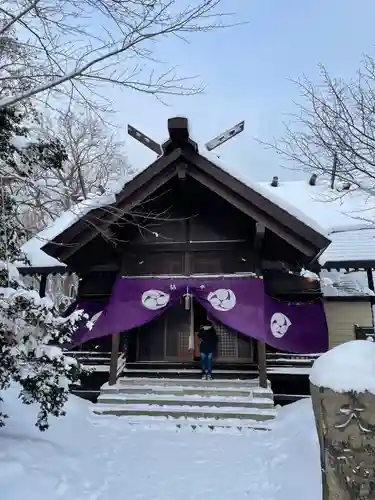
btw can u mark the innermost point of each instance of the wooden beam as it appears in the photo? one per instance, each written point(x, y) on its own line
point(349, 298)
point(112, 268)
point(43, 285)
point(252, 212)
point(370, 280)
point(261, 202)
point(349, 265)
point(194, 246)
point(260, 230)
point(31, 270)
point(119, 212)
point(178, 128)
point(56, 248)
point(262, 364)
point(225, 136)
point(145, 140)
point(181, 171)
point(114, 359)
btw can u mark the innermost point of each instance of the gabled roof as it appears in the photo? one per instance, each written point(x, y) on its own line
point(315, 211)
point(79, 225)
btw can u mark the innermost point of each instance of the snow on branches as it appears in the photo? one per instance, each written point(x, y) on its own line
point(32, 332)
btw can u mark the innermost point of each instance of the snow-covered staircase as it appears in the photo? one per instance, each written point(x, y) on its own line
point(189, 402)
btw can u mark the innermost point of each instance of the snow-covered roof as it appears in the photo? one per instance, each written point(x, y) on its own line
point(274, 196)
point(333, 209)
point(345, 217)
point(344, 283)
point(33, 248)
point(352, 245)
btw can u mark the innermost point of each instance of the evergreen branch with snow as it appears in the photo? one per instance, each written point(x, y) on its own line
point(32, 331)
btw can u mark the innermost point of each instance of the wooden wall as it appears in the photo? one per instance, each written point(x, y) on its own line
point(342, 316)
point(185, 229)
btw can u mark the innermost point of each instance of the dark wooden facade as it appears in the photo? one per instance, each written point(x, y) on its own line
point(184, 215)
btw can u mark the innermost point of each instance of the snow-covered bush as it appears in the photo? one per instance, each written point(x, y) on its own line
point(32, 330)
point(31, 333)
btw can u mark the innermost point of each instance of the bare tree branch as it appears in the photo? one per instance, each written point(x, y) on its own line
point(335, 119)
point(18, 17)
point(93, 158)
point(69, 52)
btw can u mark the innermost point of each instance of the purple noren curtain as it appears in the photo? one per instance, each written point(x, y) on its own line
point(239, 303)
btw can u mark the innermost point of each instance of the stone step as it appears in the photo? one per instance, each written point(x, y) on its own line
point(176, 424)
point(202, 401)
point(217, 365)
point(215, 383)
point(175, 390)
point(238, 413)
point(185, 372)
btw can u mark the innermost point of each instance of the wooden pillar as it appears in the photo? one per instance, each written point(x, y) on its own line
point(115, 348)
point(43, 285)
point(370, 280)
point(261, 346)
point(262, 364)
point(114, 359)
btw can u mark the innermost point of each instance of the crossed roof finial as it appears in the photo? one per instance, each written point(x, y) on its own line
point(178, 128)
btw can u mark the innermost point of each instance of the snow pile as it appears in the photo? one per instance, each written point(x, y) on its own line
point(36, 465)
point(86, 458)
point(347, 367)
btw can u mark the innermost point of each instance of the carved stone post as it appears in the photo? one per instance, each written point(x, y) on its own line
point(345, 422)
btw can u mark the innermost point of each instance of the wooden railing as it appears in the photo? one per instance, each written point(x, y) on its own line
point(98, 361)
point(285, 359)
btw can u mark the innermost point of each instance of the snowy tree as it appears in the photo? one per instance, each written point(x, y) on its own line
point(63, 53)
point(32, 332)
point(92, 157)
point(333, 132)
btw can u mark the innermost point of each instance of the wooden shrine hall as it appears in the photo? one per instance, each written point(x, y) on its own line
point(186, 215)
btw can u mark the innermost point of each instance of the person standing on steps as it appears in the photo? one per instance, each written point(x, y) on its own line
point(208, 339)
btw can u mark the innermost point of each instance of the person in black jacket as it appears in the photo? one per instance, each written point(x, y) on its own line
point(207, 345)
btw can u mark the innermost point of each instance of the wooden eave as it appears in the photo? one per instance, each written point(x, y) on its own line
point(262, 209)
point(349, 298)
point(43, 271)
point(349, 265)
point(97, 220)
point(181, 149)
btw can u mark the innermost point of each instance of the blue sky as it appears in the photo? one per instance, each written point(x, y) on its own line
point(247, 71)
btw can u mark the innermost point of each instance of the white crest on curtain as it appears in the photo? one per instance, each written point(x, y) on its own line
point(93, 320)
point(279, 324)
point(222, 299)
point(155, 299)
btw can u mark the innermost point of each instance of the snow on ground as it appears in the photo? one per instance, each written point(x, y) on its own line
point(83, 457)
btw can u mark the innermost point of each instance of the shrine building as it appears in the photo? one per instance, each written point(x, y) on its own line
point(188, 238)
